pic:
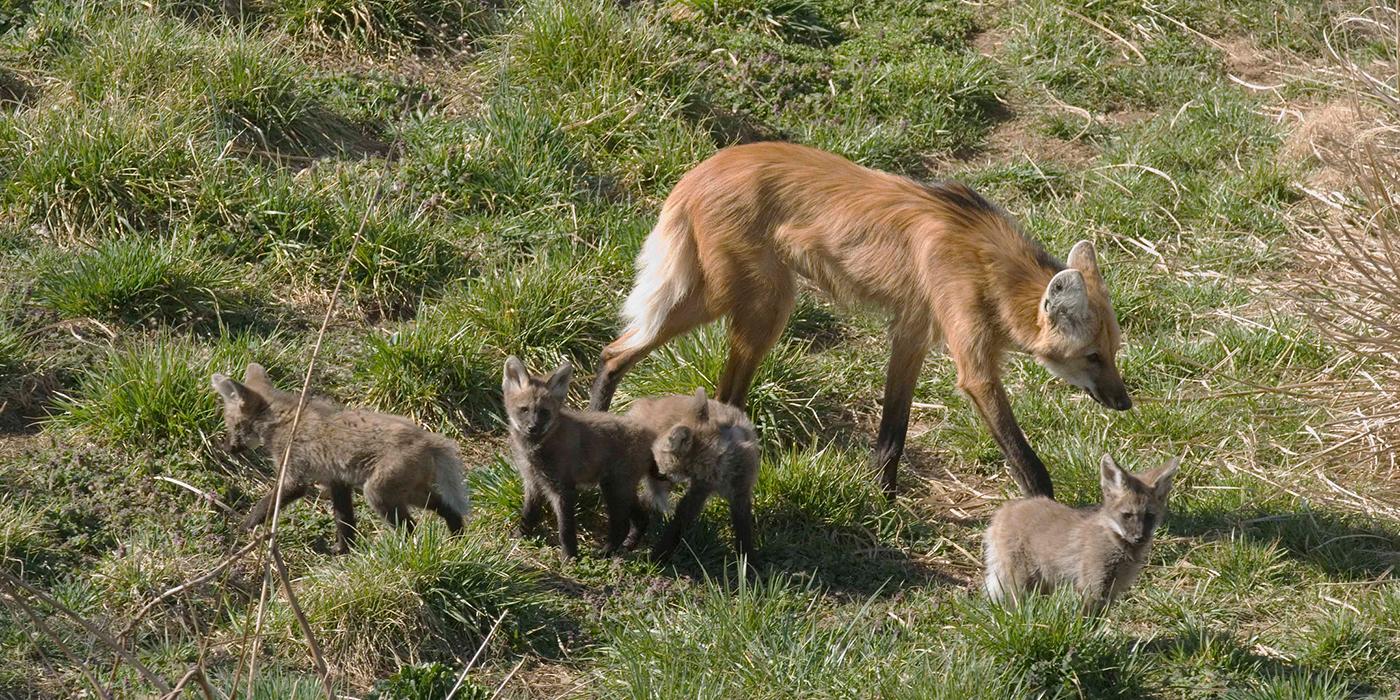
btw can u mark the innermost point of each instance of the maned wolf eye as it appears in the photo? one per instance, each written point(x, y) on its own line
point(1129, 515)
point(1094, 358)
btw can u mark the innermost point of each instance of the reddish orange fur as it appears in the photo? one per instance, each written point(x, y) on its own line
point(943, 261)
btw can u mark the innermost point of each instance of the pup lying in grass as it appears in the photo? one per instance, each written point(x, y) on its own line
point(556, 450)
point(1036, 544)
point(394, 461)
point(711, 445)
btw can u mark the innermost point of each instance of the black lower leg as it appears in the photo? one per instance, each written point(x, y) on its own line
point(741, 519)
point(343, 505)
point(565, 507)
point(686, 512)
point(448, 513)
point(619, 501)
point(640, 519)
point(600, 396)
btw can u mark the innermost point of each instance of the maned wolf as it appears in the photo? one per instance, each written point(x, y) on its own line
point(1035, 544)
point(556, 450)
point(947, 265)
point(395, 462)
point(711, 445)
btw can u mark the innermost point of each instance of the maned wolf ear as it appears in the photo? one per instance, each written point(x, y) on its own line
point(231, 391)
point(515, 376)
point(702, 404)
point(1083, 258)
point(1162, 483)
point(1066, 303)
point(558, 383)
point(1112, 478)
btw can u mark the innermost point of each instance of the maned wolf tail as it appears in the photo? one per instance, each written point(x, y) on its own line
point(668, 271)
point(448, 482)
point(659, 493)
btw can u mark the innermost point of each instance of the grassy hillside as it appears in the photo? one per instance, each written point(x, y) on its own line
point(182, 183)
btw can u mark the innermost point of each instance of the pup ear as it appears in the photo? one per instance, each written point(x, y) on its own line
point(558, 383)
point(1066, 303)
point(233, 393)
point(702, 404)
point(1112, 478)
point(515, 376)
point(256, 375)
point(1162, 477)
point(679, 438)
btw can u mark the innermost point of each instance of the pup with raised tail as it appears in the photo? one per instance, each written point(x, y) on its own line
point(556, 450)
point(1036, 544)
point(714, 447)
point(394, 461)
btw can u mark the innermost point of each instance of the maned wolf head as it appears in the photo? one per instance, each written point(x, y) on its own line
point(1079, 336)
point(1134, 505)
point(244, 407)
point(533, 403)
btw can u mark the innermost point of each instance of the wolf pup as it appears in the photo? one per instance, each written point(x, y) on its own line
point(950, 267)
point(711, 445)
point(396, 463)
point(1036, 544)
point(556, 450)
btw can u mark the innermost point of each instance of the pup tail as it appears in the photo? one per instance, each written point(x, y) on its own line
point(448, 482)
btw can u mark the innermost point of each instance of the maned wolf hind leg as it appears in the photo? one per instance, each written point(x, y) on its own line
point(754, 327)
point(393, 511)
point(621, 355)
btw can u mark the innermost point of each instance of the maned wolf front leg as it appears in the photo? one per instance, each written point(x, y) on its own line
point(909, 340)
point(565, 503)
point(686, 512)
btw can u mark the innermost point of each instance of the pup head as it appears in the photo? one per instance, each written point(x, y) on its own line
point(245, 407)
point(1134, 504)
point(533, 402)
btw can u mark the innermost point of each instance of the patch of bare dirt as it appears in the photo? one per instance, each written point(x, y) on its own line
point(1246, 61)
point(1327, 136)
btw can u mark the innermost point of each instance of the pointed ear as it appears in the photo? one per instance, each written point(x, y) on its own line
point(515, 377)
point(702, 404)
point(232, 392)
point(1066, 303)
point(1083, 258)
point(679, 438)
point(1112, 478)
point(558, 383)
point(256, 375)
point(1162, 481)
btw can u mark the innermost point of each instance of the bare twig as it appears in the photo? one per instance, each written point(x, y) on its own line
point(14, 583)
point(282, 471)
point(208, 575)
point(47, 631)
point(472, 662)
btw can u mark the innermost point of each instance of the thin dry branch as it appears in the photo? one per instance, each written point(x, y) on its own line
point(13, 583)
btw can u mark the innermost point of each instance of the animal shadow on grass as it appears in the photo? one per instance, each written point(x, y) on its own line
point(1221, 649)
point(1345, 548)
point(845, 559)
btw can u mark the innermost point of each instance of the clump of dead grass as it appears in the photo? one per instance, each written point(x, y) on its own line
point(1353, 248)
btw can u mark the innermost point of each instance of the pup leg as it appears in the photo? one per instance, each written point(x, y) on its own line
point(448, 513)
point(686, 513)
point(565, 503)
point(263, 510)
point(343, 504)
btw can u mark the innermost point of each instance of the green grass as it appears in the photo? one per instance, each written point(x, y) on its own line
point(183, 181)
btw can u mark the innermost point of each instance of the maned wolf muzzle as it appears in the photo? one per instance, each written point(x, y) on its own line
point(1110, 392)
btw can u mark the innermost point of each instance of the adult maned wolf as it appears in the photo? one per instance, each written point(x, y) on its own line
point(946, 264)
point(397, 463)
